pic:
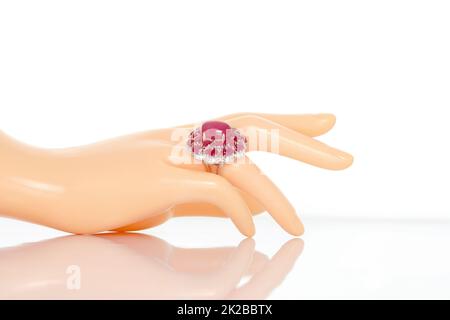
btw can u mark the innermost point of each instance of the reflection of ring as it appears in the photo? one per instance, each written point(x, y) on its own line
point(215, 142)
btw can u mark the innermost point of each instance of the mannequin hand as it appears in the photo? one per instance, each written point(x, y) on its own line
point(255, 188)
point(132, 182)
point(98, 267)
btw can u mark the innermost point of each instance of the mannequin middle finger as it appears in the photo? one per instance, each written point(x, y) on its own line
point(270, 136)
point(265, 135)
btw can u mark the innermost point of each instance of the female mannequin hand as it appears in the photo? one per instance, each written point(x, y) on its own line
point(133, 182)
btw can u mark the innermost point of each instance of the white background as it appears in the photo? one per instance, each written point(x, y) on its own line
point(77, 72)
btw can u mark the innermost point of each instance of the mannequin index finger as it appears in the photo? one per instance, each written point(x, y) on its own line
point(312, 125)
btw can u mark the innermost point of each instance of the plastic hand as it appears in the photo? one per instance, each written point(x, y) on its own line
point(98, 267)
point(132, 182)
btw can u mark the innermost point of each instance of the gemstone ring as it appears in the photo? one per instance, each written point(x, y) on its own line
point(216, 143)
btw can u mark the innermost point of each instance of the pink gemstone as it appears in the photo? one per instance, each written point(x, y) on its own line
point(216, 125)
point(213, 131)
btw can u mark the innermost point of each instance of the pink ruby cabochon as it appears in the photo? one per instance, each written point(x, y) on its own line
point(216, 125)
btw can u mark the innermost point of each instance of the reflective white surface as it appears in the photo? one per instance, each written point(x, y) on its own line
point(206, 258)
point(373, 259)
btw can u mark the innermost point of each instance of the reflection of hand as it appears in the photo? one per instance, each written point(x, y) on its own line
point(130, 183)
point(137, 266)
